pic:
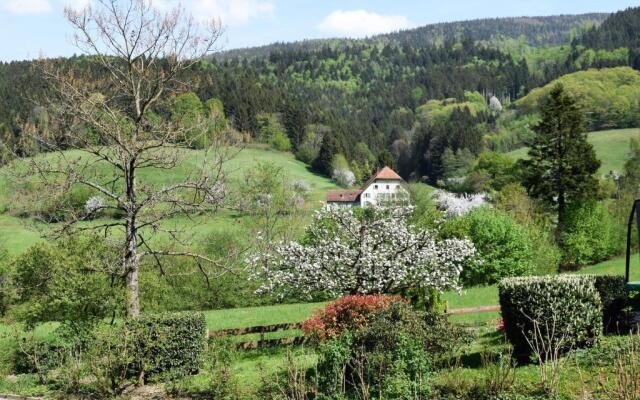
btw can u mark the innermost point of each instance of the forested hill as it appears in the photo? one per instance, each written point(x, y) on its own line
point(536, 31)
point(405, 99)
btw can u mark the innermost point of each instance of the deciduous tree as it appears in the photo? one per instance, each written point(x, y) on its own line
point(143, 54)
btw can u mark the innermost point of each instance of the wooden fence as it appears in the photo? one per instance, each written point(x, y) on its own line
point(263, 330)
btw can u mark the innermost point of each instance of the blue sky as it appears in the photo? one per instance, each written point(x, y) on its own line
point(30, 28)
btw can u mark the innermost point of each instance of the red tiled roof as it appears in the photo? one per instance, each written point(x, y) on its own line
point(387, 173)
point(384, 173)
point(343, 195)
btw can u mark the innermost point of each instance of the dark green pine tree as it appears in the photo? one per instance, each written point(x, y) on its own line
point(328, 149)
point(561, 165)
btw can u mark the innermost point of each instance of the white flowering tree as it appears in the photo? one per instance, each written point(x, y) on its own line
point(343, 177)
point(372, 250)
point(455, 205)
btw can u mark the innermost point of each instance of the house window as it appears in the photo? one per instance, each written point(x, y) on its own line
point(375, 187)
point(387, 187)
point(367, 195)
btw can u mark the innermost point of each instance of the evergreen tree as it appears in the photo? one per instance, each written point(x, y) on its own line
point(329, 148)
point(385, 159)
point(561, 165)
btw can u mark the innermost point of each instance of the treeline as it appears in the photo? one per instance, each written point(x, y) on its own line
point(537, 31)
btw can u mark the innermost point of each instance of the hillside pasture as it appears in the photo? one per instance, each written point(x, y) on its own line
point(611, 146)
point(18, 233)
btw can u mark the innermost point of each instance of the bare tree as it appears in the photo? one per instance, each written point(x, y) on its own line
point(142, 56)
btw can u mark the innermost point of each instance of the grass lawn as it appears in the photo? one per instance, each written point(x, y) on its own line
point(612, 148)
point(257, 316)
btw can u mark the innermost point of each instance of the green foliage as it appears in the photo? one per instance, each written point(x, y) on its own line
point(503, 245)
point(614, 298)
point(565, 310)
point(69, 282)
point(6, 288)
point(607, 96)
point(270, 130)
point(386, 357)
point(590, 235)
point(280, 141)
point(436, 112)
point(214, 111)
point(170, 343)
point(562, 163)
point(328, 150)
point(40, 356)
point(498, 168)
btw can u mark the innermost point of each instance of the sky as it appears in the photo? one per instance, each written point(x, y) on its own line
point(33, 28)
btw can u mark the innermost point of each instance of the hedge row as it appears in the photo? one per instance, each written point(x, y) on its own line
point(566, 309)
point(148, 347)
point(168, 343)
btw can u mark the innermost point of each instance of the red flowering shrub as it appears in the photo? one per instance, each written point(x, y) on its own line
point(346, 313)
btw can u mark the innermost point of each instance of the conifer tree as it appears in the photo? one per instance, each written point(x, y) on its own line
point(561, 165)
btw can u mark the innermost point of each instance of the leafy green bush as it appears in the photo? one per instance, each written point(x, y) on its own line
point(590, 235)
point(387, 357)
point(503, 245)
point(39, 355)
point(563, 309)
point(613, 296)
point(65, 283)
point(170, 343)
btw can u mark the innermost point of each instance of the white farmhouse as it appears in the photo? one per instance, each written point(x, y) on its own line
point(385, 187)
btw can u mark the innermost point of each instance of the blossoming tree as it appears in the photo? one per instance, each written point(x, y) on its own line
point(372, 250)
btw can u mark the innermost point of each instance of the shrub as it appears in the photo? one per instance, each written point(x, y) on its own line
point(385, 358)
point(590, 235)
point(566, 309)
point(346, 313)
point(39, 355)
point(613, 296)
point(280, 141)
point(170, 343)
point(503, 245)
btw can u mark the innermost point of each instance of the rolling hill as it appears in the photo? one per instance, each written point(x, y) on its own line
point(17, 234)
point(609, 97)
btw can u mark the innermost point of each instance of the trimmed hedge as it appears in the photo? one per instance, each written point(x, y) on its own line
point(169, 343)
point(613, 296)
point(570, 303)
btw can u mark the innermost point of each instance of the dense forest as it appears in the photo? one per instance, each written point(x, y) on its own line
point(407, 98)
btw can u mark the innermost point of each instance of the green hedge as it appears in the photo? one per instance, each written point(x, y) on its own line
point(39, 356)
point(613, 296)
point(170, 343)
point(567, 305)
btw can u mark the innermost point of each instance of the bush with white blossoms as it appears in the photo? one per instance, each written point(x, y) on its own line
point(353, 250)
point(301, 187)
point(94, 204)
point(343, 177)
point(456, 205)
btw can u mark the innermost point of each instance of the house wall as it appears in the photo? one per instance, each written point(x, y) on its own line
point(381, 190)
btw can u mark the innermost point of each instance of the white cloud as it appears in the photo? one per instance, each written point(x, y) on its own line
point(358, 23)
point(27, 6)
point(77, 4)
point(232, 12)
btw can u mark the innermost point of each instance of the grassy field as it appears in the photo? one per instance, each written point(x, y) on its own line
point(17, 234)
point(612, 148)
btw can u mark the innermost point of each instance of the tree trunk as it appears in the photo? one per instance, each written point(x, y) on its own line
point(131, 258)
point(131, 266)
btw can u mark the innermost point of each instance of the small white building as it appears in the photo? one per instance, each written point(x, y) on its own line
point(385, 187)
